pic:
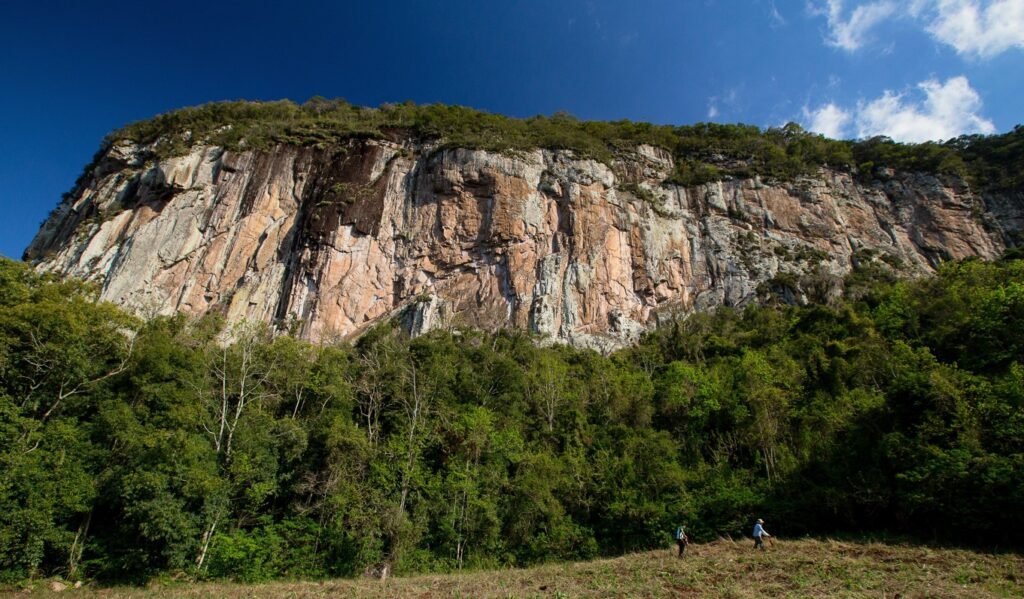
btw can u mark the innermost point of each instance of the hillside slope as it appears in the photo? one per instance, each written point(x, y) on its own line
point(798, 568)
point(166, 452)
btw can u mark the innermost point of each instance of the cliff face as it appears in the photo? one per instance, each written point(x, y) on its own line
point(328, 242)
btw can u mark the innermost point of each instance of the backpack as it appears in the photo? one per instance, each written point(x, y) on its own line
point(680, 535)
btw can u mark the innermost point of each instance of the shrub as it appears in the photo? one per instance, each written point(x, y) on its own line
point(704, 152)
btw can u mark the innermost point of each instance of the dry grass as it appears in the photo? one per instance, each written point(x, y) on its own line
point(800, 568)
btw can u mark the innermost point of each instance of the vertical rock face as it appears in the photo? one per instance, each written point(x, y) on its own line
point(328, 242)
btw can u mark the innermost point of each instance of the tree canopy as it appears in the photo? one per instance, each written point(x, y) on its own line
point(134, 449)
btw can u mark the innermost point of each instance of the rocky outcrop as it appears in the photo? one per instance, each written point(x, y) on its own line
point(327, 242)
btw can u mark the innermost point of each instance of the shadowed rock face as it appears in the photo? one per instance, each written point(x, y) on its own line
point(328, 242)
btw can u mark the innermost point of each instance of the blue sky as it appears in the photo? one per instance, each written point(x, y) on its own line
point(919, 69)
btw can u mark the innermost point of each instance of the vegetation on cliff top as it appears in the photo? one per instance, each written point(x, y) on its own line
point(704, 152)
point(130, 450)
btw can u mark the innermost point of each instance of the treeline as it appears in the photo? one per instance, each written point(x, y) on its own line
point(136, 449)
point(704, 152)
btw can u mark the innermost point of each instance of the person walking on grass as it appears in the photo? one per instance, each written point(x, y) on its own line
point(759, 534)
point(682, 540)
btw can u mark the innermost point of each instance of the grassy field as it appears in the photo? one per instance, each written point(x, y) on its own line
point(799, 568)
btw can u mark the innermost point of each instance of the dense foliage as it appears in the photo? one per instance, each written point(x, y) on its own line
point(703, 152)
point(130, 449)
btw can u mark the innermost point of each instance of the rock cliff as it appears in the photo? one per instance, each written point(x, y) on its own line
point(327, 242)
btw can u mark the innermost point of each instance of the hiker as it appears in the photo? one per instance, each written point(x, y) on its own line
point(759, 533)
point(682, 540)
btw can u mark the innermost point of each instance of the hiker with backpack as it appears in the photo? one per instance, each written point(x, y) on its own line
point(759, 534)
point(682, 540)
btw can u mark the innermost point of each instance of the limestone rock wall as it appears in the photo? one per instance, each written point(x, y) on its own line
point(328, 242)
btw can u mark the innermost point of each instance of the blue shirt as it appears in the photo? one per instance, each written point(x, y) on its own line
point(758, 530)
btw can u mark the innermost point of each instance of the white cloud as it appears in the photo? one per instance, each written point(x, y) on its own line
point(945, 110)
point(851, 32)
point(829, 120)
point(982, 31)
point(949, 109)
point(777, 19)
point(728, 102)
point(981, 28)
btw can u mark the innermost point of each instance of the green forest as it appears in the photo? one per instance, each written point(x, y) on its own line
point(703, 152)
point(131, 450)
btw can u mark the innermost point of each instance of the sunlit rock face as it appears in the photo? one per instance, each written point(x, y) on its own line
point(328, 242)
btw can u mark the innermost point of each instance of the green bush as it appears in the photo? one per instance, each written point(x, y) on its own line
point(704, 152)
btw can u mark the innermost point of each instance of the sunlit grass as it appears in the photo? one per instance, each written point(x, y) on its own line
point(798, 568)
